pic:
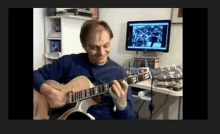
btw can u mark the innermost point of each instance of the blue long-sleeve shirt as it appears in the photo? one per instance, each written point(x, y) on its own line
point(70, 66)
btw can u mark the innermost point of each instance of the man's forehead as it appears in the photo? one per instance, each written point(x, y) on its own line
point(98, 37)
point(99, 43)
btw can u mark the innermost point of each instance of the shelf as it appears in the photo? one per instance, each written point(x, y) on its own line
point(74, 17)
point(53, 56)
point(53, 38)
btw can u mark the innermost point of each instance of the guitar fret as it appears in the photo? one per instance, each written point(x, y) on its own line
point(73, 94)
point(134, 79)
point(95, 90)
point(129, 80)
point(76, 96)
point(80, 95)
point(83, 94)
point(140, 77)
point(100, 89)
point(88, 93)
point(91, 91)
point(146, 76)
point(70, 97)
point(106, 87)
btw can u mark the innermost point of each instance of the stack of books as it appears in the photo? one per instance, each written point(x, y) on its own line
point(67, 14)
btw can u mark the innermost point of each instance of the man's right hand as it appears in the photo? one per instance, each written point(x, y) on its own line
point(54, 97)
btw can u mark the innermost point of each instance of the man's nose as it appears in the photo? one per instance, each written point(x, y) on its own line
point(101, 51)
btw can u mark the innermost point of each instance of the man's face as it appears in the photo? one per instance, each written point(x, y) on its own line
point(98, 46)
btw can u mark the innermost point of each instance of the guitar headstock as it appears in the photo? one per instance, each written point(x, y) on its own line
point(169, 76)
point(168, 73)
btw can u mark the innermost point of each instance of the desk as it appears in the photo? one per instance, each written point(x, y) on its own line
point(146, 85)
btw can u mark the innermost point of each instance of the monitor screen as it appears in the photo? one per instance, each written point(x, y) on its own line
point(148, 35)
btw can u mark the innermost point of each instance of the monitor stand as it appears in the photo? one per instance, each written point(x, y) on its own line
point(148, 54)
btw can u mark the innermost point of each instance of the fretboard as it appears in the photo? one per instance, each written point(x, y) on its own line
point(100, 89)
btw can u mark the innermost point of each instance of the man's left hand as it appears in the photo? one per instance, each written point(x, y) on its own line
point(118, 91)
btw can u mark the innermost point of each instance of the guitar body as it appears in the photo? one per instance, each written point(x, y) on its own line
point(77, 84)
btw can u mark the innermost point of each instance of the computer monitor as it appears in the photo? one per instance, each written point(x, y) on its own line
point(151, 35)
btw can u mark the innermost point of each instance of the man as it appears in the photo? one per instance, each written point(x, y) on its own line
point(155, 35)
point(96, 65)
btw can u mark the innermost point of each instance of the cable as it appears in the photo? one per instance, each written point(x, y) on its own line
point(151, 106)
point(139, 109)
point(158, 108)
point(179, 108)
point(137, 101)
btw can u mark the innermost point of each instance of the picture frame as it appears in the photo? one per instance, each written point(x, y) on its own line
point(95, 13)
point(177, 15)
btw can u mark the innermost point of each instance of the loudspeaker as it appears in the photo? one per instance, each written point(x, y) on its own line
point(51, 11)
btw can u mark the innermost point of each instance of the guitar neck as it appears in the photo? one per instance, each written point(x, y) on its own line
point(100, 89)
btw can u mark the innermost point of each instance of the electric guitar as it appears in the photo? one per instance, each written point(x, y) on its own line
point(167, 77)
point(81, 95)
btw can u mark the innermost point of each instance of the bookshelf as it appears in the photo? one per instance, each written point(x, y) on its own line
point(72, 17)
point(65, 30)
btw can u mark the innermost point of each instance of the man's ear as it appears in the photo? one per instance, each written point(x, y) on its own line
point(84, 47)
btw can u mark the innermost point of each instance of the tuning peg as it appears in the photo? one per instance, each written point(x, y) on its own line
point(171, 76)
point(177, 75)
point(173, 67)
point(179, 67)
point(168, 67)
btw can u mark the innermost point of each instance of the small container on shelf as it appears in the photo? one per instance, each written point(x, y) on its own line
point(55, 46)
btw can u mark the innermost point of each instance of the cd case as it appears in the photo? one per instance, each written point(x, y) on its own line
point(55, 46)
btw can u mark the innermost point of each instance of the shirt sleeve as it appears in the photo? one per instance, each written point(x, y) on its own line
point(128, 113)
point(52, 71)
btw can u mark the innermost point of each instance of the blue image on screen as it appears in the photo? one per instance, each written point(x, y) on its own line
point(148, 35)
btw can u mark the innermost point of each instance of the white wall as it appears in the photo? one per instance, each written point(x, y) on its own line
point(117, 19)
point(38, 32)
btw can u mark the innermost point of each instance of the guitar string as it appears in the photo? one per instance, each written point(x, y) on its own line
point(128, 79)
